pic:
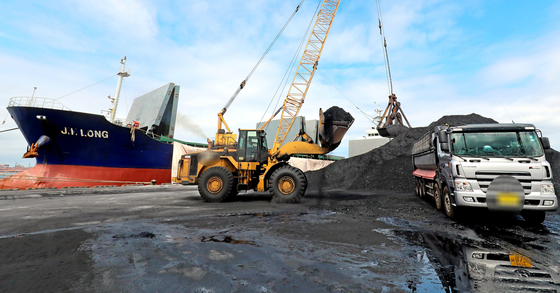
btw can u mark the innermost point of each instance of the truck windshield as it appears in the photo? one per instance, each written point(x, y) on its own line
point(490, 144)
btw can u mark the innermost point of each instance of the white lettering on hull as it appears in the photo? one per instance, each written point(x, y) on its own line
point(85, 133)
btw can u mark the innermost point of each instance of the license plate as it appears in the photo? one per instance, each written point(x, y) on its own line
point(508, 199)
point(518, 260)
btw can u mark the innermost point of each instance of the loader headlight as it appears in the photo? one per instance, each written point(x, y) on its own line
point(547, 189)
point(463, 186)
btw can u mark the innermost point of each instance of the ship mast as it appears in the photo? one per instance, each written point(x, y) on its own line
point(121, 75)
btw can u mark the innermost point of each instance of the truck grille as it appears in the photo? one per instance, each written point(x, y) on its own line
point(505, 272)
point(484, 179)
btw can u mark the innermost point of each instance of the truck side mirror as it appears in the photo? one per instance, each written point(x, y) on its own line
point(442, 135)
point(444, 146)
point(545, 143)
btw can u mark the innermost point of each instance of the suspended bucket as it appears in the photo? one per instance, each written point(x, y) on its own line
point(392, 131)
point(392, 120)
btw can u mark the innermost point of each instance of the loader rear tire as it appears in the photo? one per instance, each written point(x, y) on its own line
point(215, 184)
point(287, 185)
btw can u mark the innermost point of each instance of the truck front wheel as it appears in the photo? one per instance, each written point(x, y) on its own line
point(287, 185)
point(450, 210)
point(215, 184)
point(437, 196)
point(533, 217)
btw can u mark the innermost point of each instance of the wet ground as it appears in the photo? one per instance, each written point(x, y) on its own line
point(165, 239)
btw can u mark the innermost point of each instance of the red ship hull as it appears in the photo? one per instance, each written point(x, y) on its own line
point(57, 176)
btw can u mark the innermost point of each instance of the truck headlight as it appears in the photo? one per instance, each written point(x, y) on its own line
point(477, 270)
point(463, 186)
point(547, 189)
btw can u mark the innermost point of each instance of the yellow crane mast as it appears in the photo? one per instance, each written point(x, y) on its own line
point(306, 70)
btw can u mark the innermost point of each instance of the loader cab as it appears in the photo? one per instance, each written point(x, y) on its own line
point(252, 146)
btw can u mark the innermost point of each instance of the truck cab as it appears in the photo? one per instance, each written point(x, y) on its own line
point(493, 166)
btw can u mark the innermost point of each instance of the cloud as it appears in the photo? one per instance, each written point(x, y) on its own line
point(135, 18)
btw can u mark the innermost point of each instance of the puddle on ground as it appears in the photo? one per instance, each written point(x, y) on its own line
point(464, 265)
point(252, 259)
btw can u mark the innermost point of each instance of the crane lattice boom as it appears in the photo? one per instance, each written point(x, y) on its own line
point(306, 70)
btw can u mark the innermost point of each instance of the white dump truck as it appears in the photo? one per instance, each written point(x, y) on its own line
point(500, 167)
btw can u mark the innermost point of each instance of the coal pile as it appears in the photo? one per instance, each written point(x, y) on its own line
point(388, 167)
point(336, 122)
point(553, 157)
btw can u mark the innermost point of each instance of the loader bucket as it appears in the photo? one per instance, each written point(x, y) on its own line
point(333, 125)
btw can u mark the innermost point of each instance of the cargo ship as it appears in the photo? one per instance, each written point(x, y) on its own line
point(75, 149)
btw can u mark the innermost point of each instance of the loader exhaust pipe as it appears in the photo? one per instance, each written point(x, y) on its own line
point(333, 125)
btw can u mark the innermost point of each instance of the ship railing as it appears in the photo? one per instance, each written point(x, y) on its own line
point(37, 102)
point(120, 122)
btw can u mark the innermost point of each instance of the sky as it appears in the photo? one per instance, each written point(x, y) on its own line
point(499, 59)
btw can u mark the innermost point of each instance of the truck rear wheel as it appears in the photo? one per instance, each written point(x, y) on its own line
point(437, 196)
point(287, 185)
point(533, 217)
point(422, 187)
point(418, 189)
point(450, 210)
point(215, 184)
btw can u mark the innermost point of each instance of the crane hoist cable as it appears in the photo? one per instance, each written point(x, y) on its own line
point(244, 82)
point(384, 48)
point(290, 68)
point(394, 116)
point(368, 117)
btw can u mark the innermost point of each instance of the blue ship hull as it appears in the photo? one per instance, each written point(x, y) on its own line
point(89, 140)
point(87, 150)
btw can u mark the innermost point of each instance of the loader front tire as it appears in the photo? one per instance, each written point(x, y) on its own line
point(215, 184)
point(287, 185)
